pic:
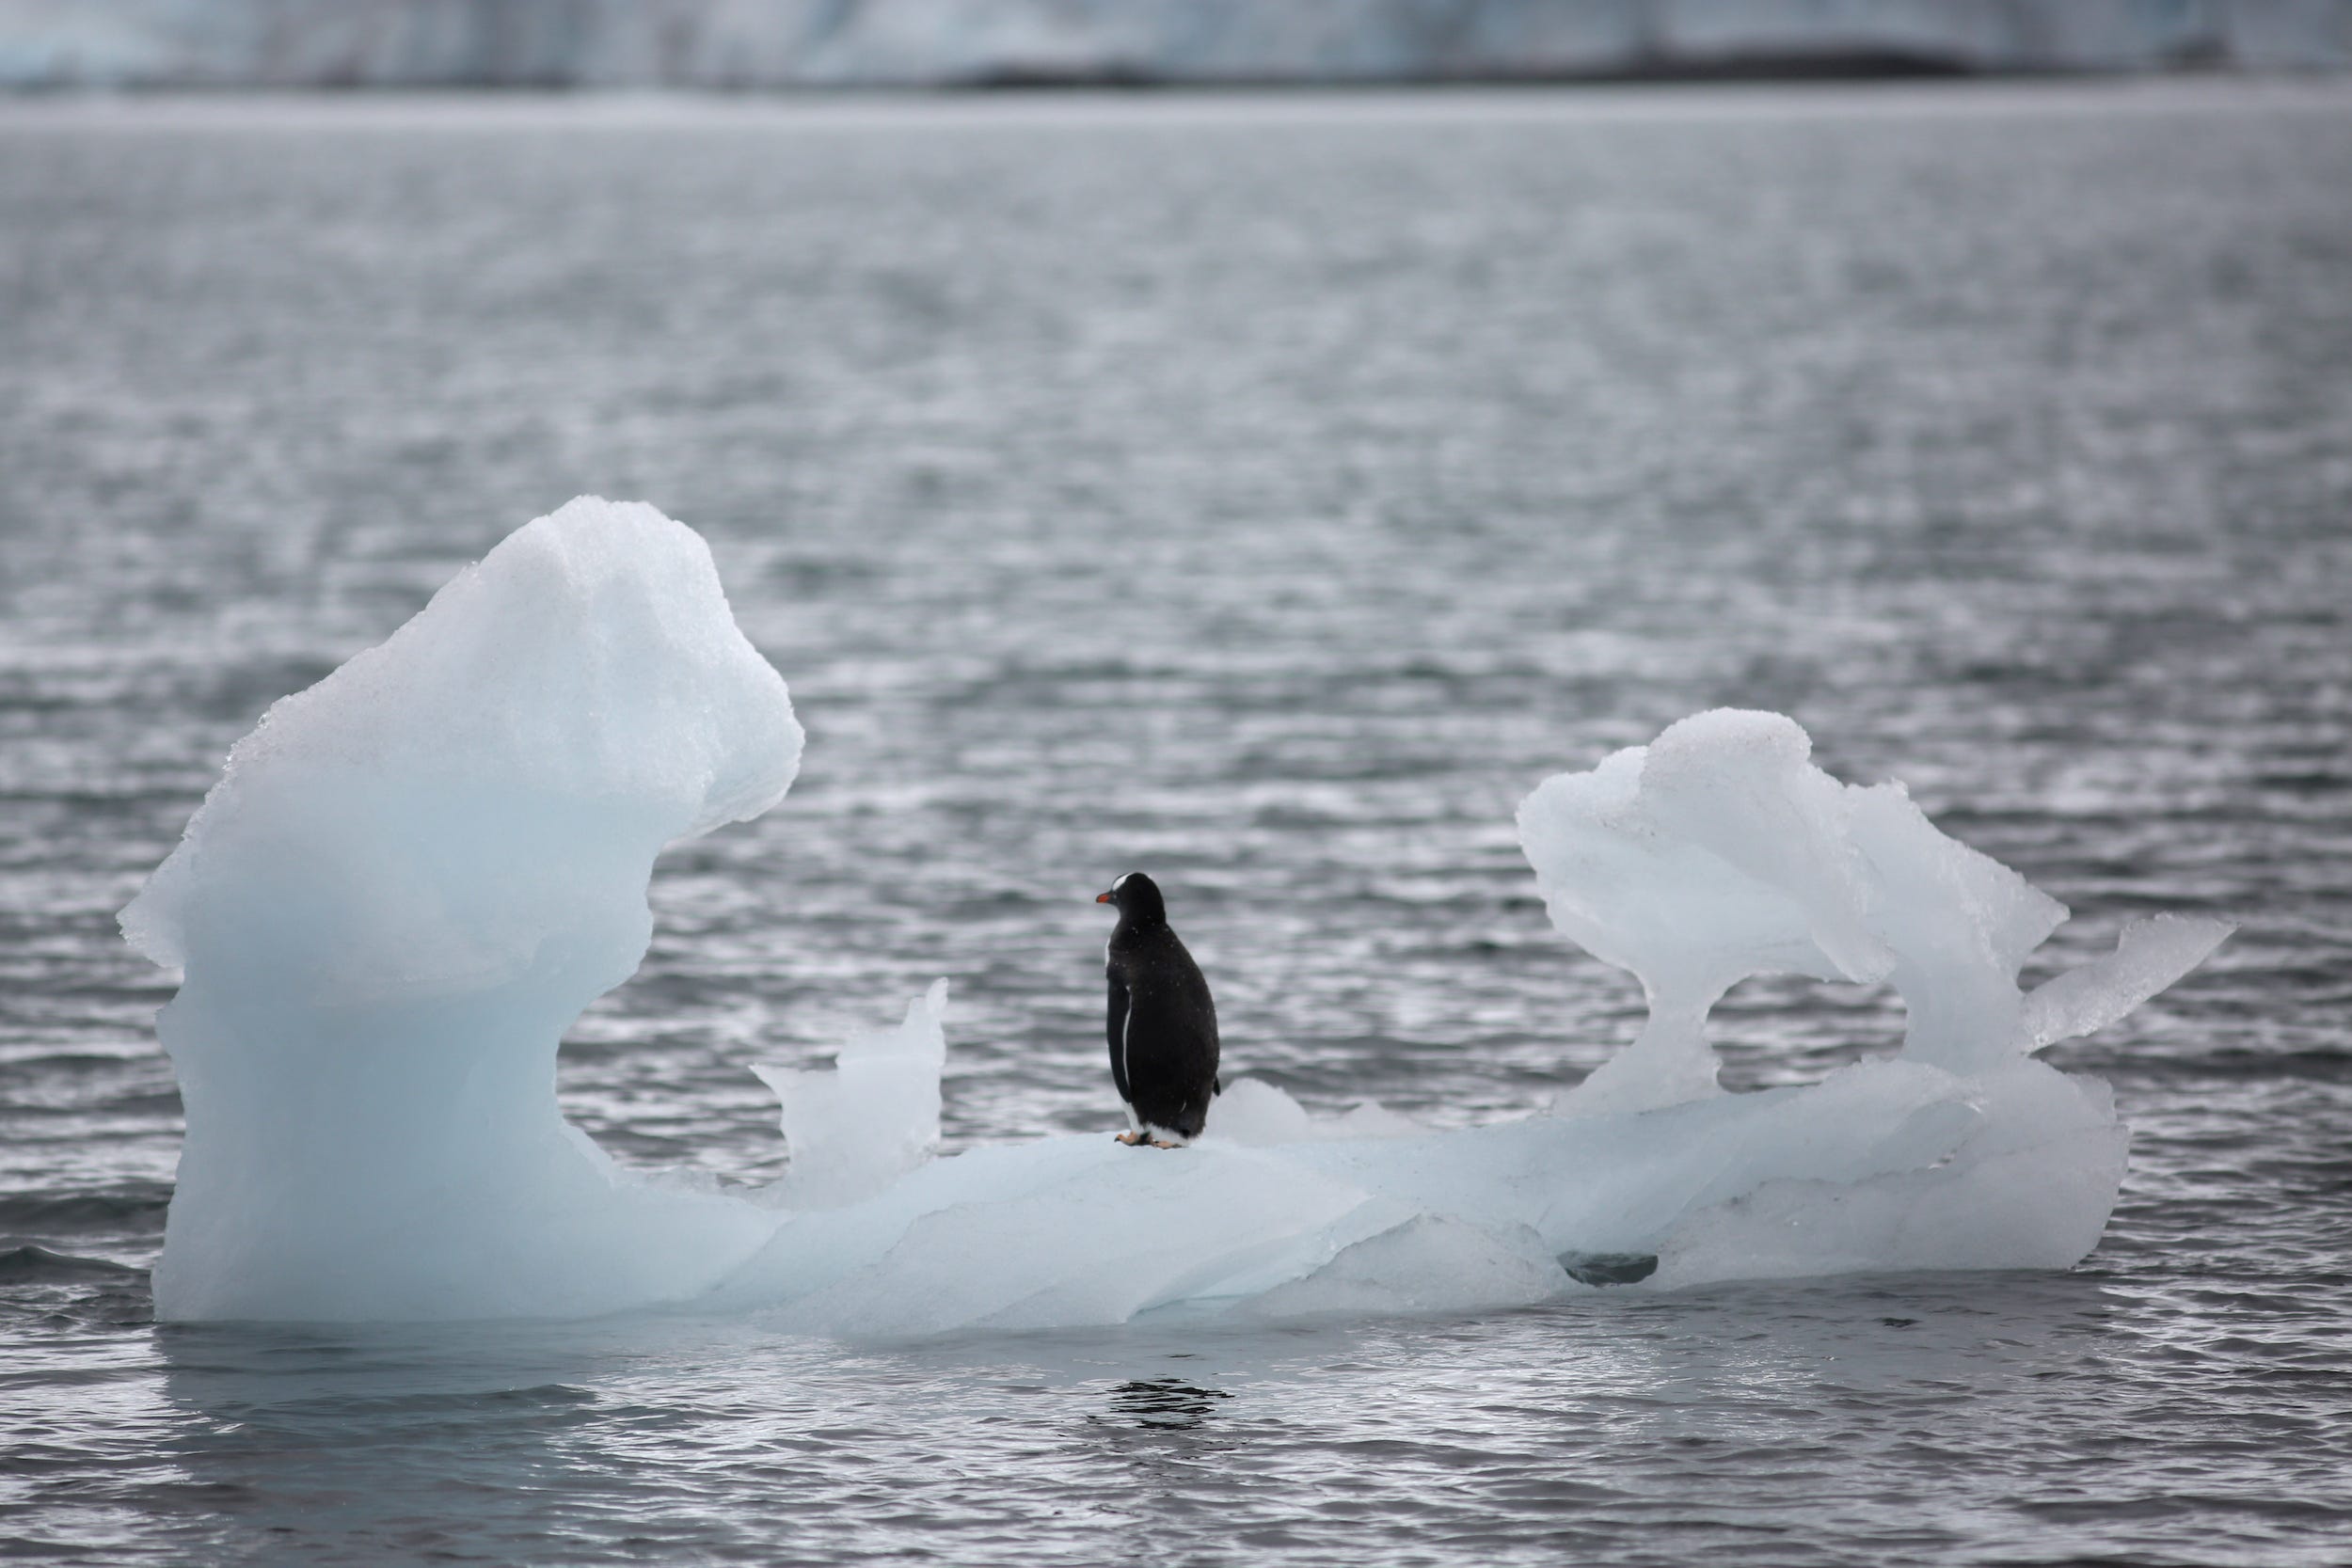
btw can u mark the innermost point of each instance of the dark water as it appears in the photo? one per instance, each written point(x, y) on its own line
point(1267, 493)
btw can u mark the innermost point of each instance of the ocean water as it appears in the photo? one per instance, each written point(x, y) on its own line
point(1267, 492)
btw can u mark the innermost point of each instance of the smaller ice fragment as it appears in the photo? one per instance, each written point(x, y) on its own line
point(2149, 955)
point(872, 1116)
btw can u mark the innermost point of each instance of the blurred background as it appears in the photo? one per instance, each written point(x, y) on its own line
point(1265, 488)
point(770, 43)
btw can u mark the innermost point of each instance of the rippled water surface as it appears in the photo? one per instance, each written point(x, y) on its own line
point(1267, 493)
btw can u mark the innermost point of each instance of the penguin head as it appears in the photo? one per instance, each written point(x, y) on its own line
point(1137, 897)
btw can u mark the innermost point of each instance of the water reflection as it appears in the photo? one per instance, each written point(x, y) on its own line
point(1165, 1401)
point(1617, 1408)
point(364, 1439)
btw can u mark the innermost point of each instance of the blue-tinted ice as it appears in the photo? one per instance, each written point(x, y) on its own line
point(413, 875)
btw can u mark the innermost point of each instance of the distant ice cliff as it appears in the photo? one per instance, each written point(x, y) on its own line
point(763, 43)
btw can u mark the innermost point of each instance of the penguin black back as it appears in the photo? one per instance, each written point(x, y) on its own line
point(1162, 1020)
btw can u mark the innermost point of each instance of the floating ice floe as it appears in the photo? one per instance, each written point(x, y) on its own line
point(412, 876)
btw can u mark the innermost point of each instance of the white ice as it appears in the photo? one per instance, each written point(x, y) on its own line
point(409, 880)
point(412, 878)
point(872, 1117)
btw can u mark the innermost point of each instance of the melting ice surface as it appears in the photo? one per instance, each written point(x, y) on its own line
point(412, 876)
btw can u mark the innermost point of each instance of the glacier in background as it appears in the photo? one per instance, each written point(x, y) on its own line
point(797, 44)
point(413, 876)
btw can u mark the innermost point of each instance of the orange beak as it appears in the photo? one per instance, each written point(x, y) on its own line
point(1102, 897)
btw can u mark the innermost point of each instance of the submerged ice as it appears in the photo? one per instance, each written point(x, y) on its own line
point(412, 876)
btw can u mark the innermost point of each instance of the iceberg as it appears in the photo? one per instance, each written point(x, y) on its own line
point(412, 876)
point(408, 883)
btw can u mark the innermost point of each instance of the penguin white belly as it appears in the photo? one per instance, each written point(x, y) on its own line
point(1134, 1123)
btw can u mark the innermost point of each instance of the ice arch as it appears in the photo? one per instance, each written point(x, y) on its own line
point(1719, 853)
point(413, 875)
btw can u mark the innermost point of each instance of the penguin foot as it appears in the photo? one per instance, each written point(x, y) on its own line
point(1133, 1140)
point(1163, 1143)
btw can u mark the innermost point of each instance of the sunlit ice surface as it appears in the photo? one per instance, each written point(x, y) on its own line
point(415, 874)
point(1459, 449)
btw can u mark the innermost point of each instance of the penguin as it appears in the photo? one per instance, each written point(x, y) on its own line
point(1162, 1024)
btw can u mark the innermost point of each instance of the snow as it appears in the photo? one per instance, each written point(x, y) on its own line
point(412, 878)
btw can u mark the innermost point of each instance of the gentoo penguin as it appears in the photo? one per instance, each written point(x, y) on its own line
point(1162, 1025)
